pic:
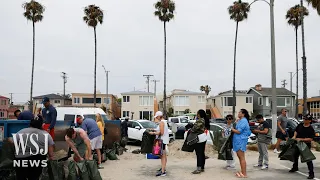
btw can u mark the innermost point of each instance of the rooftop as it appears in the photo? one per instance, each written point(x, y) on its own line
point(50, 96)
point(185, 92)
point(266, 91)
point(137, 93)
point(3, 97)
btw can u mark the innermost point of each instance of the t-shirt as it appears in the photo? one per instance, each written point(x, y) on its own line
point(283, 122)
point(227, 130)
point(25, 115)
point(29, 144)
point(263, 137)
point(50, 116)
point(305, 132)
point(91, 127)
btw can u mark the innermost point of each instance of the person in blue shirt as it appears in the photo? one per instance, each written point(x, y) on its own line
point(240, 140)
point(49, 114)
point(90, 126)
point(25, 115)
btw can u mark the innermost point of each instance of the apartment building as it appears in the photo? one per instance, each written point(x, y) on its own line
point(138, 105)
point(4, 106)
point(56, 100)
point(181, 100)
point(313, 105)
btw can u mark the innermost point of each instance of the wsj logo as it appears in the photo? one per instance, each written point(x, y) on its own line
point(21, 143)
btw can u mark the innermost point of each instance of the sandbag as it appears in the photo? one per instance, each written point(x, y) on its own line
point(83, 170)
point(123, 141)
point(72, 175)
point(111, 154)
point(56, 170)
point(305, 153)
point(45, 174)
point(119, 151)
point(147, 142)
point(7, 154)
point(92, 167)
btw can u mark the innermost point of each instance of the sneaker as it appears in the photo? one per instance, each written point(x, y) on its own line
point(196, 172)
point(276, 151)
point(100, 167)
point(231, 168)
point(161, 174)
point(202, 170)
point(293, 170)
point(264, 167)
point(159, 170)
point(257, 165)
point(311, 176)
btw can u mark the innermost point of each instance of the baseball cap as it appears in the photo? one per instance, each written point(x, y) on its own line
point(308, 117)
point(158, 113)
point(45, 99)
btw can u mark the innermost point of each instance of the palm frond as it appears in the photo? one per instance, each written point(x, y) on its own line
point(93, 15)
point(165, 10)
point(293, 15)
point(239, 11)
point(315, 4)
point(33, 11)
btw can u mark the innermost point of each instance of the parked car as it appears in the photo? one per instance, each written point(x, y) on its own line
point(218, 120)
point(219, 127)
point(181, 122)
point(136, 129)
point(253, 124)
point(291, 126)
point(316, 127)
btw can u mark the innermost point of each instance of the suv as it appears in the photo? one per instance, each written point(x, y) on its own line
point(181, 122)
point(136, 129)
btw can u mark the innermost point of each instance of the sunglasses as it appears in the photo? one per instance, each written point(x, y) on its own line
point(229, 118)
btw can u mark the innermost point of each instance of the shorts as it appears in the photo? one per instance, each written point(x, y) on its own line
point(96, 143)
point(280, 135)
point(163, 146)
point(46, 127)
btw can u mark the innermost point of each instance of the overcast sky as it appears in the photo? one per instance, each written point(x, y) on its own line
point(200, 44)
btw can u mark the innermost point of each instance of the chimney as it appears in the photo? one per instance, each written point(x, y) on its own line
point(258, 87)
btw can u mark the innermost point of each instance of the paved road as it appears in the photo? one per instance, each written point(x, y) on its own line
point(136, 167)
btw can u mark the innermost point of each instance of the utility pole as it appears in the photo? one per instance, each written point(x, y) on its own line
point(64, 77)
point(107, 85)
point(304, 64)
point(155, 87)
point(11, 102)
point(284, 83)
point(148, 80)
point(291, 100)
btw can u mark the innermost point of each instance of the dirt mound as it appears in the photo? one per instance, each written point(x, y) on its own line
point(175, 150)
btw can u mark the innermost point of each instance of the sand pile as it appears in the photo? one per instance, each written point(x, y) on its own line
point(60, 154)
point(175, 150)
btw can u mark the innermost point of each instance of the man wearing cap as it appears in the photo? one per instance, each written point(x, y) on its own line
point(24, 115)
point(305, 133)
point(90, 126)
point(49, 114)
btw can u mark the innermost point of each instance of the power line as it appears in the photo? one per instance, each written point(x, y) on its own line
point(148, 79)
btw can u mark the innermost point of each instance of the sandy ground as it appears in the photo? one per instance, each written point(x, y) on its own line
point(181, 164)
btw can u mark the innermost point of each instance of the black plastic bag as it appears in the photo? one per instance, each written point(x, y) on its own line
point(186, 147)
point(83, 170)
point(147, 142)
point(72, 171)
point(305, 153)
point(7, 154)
point(92, 167)
point(56, 170)
point(289, 150)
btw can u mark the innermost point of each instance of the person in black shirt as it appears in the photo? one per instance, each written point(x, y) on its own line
point(305, 133)
point(124, 128)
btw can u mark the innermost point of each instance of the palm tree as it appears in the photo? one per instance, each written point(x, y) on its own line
point(294, 19)
point(33, 11)
point(92, 16)
point(238, 12)
point(165, 12)
point(315, 4)
point(205, 89)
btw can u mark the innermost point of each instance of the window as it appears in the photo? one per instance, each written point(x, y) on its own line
point(57, 101)
point(147, 115)
point(90, 100)
point(106, 100)
point(282, 101)
point(181, 100)
point(69, 117)
point(3, 102)
point(76, 100)
point(145, 100)
point(201, 99)
point(126, 98)
point(260, 101)
point(134, 124)
point(228, 101)
point(125, 113)
point(175, 120)
point(1, 114)
point(222, 104)
point(248, 100)
point(179, 113)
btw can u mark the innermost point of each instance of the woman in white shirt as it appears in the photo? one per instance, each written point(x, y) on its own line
point(162, 131)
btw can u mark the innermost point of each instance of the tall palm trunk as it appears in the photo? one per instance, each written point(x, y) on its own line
point(297, 76)
point(165, 73)
point(234, 73)
point(304, 64)
point(95, 68)
point(32, 71)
